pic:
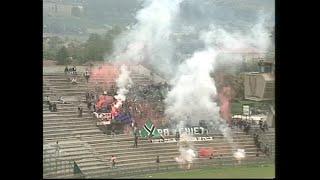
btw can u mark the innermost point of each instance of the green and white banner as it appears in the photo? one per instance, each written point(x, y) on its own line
point(149, 130)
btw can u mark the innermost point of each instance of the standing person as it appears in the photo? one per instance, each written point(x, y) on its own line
point(87, 96)
point(87, 75)
point(74, 70)
point(158, 162)
point(211, 156)
point(66, 70)
point(260, 124)
point(57, 154)
point(89, 105)
point(80, 111)
point(57, 150)
point(47, 100)
point(50, 107)
point(135, 141)
point(135, 130)
point(54, 107)
point(113, 161)
point(265, 126)
point(150, 138)
point(177, 136)
point(94, 108)
point(255, 139)
point(113, 131)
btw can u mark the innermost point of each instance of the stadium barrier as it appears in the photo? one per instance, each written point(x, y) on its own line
point(205, 163)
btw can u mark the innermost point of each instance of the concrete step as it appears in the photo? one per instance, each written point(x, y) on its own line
point(67, 127)
point(67, 124)
point(72, 129)
point(141, 150)
point(75, 112)
point(114, 148)
point(57, 115)
point(64, 94)
point(65, 85)
point(55, 135)
point(67, 121)
point(64, 111)
point(126, 142)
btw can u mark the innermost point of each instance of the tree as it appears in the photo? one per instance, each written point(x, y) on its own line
point(94, 49)
point(109, 37)
point(62, 56)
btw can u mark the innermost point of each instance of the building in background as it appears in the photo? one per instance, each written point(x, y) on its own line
point(259, 86)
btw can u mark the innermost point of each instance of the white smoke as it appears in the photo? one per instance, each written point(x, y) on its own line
point(255, 38)
point(123, 83)
point(149, 39)
point(186, 149)
point(193, 87)
point(239, 154)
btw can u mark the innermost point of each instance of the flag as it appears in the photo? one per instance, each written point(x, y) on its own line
point(149, 130)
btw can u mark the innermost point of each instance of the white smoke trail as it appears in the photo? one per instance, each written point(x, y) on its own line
point(149, 39)
point(193, 88)
point(123, 83)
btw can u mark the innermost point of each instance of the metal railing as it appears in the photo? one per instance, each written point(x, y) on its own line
point(216, 163)
point(53, 164)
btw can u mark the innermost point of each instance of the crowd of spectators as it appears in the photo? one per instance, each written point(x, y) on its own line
point(261, 146)
point(258, 128)
point(72, 70)
point(51, 105)
point(146, 102)
point(71, 74)
point(246, 125)
point(142, 101)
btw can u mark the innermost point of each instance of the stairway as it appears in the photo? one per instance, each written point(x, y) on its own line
point(81, 141)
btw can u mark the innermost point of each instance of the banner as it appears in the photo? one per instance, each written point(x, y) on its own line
point(149, 130)
point(103, 118)
point(100, 123)
point(76, 169)
point(172, 140)
point(196, 130)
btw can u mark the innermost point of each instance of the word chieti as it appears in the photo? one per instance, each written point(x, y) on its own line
point(191, 131)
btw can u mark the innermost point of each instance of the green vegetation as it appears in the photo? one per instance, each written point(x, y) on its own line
point(62, 56)
point(225, 172)
point(93, 49)
point(236, 106)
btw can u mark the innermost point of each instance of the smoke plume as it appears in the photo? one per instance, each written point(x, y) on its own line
point(225, 98)
point(193, 87)
point(186, 149)
point(123, 83)
point(149, 40)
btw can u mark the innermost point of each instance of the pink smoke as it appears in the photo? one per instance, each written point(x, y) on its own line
point(104, 76)
point(225, 98)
